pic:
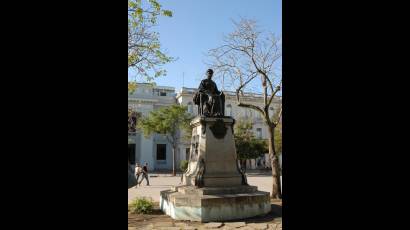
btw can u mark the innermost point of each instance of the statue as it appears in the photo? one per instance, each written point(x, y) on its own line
point(213, 187)
point(210, 101)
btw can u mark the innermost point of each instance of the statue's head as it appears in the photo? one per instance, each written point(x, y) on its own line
point(209, 73)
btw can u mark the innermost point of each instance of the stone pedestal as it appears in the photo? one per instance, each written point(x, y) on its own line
point(214, 188)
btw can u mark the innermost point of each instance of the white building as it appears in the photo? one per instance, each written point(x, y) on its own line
point(155, 150)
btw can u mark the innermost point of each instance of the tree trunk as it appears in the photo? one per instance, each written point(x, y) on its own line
point(274, 160)
point(173, 160)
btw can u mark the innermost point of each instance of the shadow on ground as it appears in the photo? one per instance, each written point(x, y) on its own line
point(275, 213)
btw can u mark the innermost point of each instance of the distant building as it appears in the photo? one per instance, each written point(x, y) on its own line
point(156, 151)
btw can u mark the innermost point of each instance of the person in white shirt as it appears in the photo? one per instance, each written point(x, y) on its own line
point(138, 172)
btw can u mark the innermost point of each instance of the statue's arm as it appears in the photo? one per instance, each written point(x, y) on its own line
point(201, 87)
point(216, 90)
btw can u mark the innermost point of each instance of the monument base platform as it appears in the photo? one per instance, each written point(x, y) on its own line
point(214, 203)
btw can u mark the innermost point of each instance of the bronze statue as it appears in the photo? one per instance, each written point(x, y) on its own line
point(210, 101)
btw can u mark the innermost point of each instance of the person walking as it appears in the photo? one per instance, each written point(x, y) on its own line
point(145, 173)
point(138, 173)
point(131, 177)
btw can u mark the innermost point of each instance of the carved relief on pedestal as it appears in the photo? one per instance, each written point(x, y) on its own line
point(218, 129)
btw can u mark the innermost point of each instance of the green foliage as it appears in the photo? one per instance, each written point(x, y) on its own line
point(167, 13)
point(247, 146)
point(132, 86)
point(144, 49)
point(141, 206)
point(183, 165)
point(167, 120)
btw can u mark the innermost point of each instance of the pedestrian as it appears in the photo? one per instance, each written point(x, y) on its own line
point(132, 181)
point(145, 173)
point(138, 173)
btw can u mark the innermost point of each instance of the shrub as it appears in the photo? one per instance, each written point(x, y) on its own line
point(141, 206)
point(184, 165)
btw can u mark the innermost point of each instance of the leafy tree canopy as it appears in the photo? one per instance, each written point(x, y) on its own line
point(145, 55)
point(247, 146)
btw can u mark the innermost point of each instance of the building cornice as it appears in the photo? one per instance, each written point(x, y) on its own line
point(143, 100)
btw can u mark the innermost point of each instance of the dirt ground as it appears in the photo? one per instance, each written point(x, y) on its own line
point(142, 220)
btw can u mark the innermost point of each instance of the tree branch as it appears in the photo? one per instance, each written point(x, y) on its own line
point(251, 106)
point(274, 92)
point(243, 85)
point(275, 123)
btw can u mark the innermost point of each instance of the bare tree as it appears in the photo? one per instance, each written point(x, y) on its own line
point(248, 62)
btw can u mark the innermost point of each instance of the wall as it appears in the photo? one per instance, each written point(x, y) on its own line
point(146, 147)
point(160, 165)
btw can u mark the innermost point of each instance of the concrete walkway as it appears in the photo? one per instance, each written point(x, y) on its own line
point(164, 181)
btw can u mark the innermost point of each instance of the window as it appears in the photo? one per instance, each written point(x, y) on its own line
point(228, 110)
point(131, 153)
point(187, 150)
point(132, 120)
point(259, 133)
point(161, 152)
point(162, 93)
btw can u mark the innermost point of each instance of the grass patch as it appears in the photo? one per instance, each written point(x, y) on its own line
point(141, 205)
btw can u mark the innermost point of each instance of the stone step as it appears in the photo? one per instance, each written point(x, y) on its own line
point(180, 199)
point(215, 190)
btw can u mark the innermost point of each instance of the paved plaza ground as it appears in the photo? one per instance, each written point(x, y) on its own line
point(164, 181)
point(159, 221)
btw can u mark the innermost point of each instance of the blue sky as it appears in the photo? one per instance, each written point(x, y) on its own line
point(199, 25)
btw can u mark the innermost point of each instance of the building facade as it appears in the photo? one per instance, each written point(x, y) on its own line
point(157, 152)
point(154, 149)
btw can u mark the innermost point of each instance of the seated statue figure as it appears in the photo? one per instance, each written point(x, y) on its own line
point(210, 101)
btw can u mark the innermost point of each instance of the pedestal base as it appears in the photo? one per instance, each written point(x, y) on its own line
point(214, 203)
